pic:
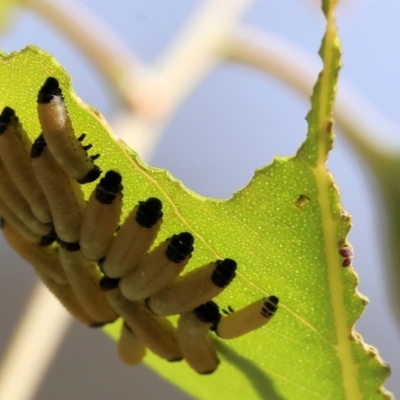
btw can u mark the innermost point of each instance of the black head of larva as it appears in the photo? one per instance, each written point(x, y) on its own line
point(107, 283)
point(208, 313)
point(38, 146)
point(224, 272)
point(75, 246)
point(274, 300)
point(98, 324)
point(2, 221)
point(127, 327)
point(108, 187)
point(93, 174)
point(149, 212)
point(180, 247)
point(6, 116)
point(49, 90)
point(100, 264)
point(48, 239)
point(270, 306)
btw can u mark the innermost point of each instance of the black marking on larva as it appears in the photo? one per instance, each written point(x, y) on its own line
point(6, 116)
point(49, 90)
point(270, 307)
point(93, 174)
point(108, 187)
point(229, 311)
point(149, 212)
point(107, 283)
point(95, 157)
point(208, 313)
point(2, 221)
point(38, 146)
point(87, 147)
point(68, 246)
point(147, 304)
point(224, 272)
point(101, 324)
point(267, 313)
point(48, 239)
point(180, 247)
point(81, 137)
point(176, 359)
point(127, 327)
point(210, 371)
point(97, 324)
point(100, 264)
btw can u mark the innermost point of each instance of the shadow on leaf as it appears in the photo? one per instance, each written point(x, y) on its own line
point(258, 379)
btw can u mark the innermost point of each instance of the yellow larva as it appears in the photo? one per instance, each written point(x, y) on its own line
point(47, 266)
point(18, 204)
point(195, 340)
point(44, 259)
point(197, 287)
point(14, 152)
point(131, 350)
point(84, 277)
point(159, 268)
point(67, 297)
point(18, 224)
point(59, 134)
point(157, 333)
point(247, 319)
point(101, 217)
point(134, 239)
point(63, 194)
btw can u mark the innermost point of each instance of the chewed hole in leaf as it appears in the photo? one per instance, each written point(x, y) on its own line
point(223, 155)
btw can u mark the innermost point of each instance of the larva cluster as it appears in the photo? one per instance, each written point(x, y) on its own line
point(101, 270)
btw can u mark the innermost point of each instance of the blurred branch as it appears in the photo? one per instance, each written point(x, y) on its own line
point(196, 51)
point(192, 55)
point(97, 41)
point(153, 93)
point(35, 342)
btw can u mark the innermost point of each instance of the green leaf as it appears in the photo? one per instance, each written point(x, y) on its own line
point(284, 230)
